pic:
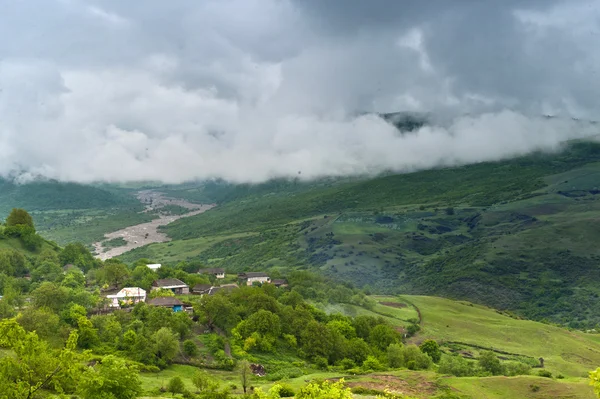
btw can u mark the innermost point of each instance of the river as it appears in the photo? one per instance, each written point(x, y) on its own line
point(147, 233)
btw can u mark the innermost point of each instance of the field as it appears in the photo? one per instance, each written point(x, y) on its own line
point(455, 325)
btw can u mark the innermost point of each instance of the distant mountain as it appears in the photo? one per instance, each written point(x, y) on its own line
point(407, 121)
point(41, 194)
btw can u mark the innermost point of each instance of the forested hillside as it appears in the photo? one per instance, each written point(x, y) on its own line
point(516, 235)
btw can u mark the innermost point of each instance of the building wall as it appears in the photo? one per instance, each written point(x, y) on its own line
point(261, 280)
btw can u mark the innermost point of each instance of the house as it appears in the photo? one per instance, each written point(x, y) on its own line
point(200, 289)
point(128, 295)
point(167, 302)
point(254, 277)
point(226, 287)
point(217, 272)
point(154, 266)
point(173, 284)
point(280, 283)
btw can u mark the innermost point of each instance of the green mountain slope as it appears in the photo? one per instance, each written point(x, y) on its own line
point(68, 212)
point(518, 235)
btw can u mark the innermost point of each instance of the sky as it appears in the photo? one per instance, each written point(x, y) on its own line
point(249, 90)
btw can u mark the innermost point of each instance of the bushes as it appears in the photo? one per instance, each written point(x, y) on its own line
point(516, 368)
point(456, 365)
point(414, 359)
point(489, 362)
point(176, 385)
point(545, 373)
point(190, 348)
point(371, 363)
point(431, 348)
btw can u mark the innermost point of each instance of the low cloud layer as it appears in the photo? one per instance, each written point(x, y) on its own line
point(248, 90)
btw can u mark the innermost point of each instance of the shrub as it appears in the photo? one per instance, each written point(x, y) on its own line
point(534, 388)
point(321, 362)
point(545, 373)
point(176, 385)
point(413, 357)
point(395, 355)
point(190, 348)
point(516, 368)
point(347, 364)
point(560, 377)
point(371, 363)
point(282, 391)
point(490, 363)
point(431, 348)
point(456, 365)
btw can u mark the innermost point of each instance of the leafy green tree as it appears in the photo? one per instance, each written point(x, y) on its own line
point(595, 381)
point(112, 378)
point(431, 348)
point(216, 311)
point(78, 255)
point(357, 350)
point(176, 385)
point(19, 217)
point(204, 382)
point(190, 348)
point(166, 345)
point(41, 320)
point(456, 365)
point(50, 295)
point(383, 335)
point(414, 359)
point(325, 390)
point(262, 322)
point(72, 314)
point(13, 263)
point(142, 276)
point(34, 366)
point(371, 363)
point(88, 335)
point(47, 271)
point(316, 340)
point(244, 373)
point(114, 272)
point(343, 327)
point(490, 363)
point(395, 355)
point(74, 279)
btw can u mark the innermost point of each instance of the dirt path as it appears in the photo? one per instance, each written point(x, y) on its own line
point(147, 233)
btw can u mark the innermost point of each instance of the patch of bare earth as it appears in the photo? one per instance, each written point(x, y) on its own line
point(147, 233)
point(393, 304)
point(419, 388)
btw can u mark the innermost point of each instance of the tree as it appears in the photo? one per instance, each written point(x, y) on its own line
point(325, 390)
point(19, 217)
point(111, 378)
point(204, 382)
point(244, 372)
point(431, 348)
point(79, 255)
point(383, 335)
point(395, 355)
point(166, 345)
point(489, 362)
point(50, 295)
point(455, 365)
point(176, 385)
point(190, 348)
point(114, 272)
point(595, 381)
point(33, 365)
point(88, 335)
point(316, 340)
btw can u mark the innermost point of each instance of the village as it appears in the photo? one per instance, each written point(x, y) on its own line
point(165, 292)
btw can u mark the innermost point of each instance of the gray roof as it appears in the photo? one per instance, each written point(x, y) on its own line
point(226, 287)
point(165, 301)
point(201, 287)
point(214, 270)
point(253, 274)
point(168, 282)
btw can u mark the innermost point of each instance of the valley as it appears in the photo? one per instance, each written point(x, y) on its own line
point(147, 233)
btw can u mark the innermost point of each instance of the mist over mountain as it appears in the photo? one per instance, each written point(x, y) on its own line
point(248, 91)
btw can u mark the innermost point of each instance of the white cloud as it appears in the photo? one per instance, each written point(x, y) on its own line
point(250, 90)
